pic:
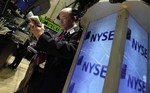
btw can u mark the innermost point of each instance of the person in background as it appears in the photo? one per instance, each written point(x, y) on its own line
point(58, 51)
point(19, 55)
point(21, 50)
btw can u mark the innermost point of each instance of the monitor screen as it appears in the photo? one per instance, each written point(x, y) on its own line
point(36, 10)
point(134, 72)
point(91, 65)
point(23, 5)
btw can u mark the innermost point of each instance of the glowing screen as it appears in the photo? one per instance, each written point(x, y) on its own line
point(91, 65)
point(134, 72)
point(22, 5)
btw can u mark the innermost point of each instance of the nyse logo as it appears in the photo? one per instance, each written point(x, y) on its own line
point(100, 36)
point(137, 46)
point(94, 69)
point(136, 84)
point(97, 69)
point(103, 36)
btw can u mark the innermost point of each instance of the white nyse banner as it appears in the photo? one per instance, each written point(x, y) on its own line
point(91, 66)
point(134, 72)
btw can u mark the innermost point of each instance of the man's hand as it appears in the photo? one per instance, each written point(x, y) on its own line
point(37, 30)
point(35, 19)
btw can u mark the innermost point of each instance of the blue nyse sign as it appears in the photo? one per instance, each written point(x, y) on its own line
point(135, 59)
point(91, 65)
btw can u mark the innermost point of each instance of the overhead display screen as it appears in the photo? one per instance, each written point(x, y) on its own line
point(22, 5)
point(134, 72)
point(91, 65)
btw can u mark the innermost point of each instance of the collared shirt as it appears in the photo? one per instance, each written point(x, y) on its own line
point(71, 30)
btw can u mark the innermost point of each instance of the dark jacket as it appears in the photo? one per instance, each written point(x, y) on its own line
point(60, 55)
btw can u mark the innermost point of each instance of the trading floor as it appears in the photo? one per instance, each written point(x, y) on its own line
point(10, 79)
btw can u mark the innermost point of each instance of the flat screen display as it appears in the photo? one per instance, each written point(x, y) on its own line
point(91, 65)
point(134, 72)
point(22, 5)
point(36, 10)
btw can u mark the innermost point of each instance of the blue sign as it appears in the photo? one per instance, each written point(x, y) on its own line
point(134, 73)
point(91, 65)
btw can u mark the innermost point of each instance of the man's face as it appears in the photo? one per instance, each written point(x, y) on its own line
point(66, 22)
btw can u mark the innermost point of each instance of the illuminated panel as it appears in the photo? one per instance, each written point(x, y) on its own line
point(134, 73)
point(49, 24)
point(91, 64)
point(36, 10)
point(22, 5)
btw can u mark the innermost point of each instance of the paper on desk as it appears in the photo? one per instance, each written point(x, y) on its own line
point(3, 31)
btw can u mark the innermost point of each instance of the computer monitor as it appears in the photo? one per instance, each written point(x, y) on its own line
point(22, 6)
point(36, 10)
